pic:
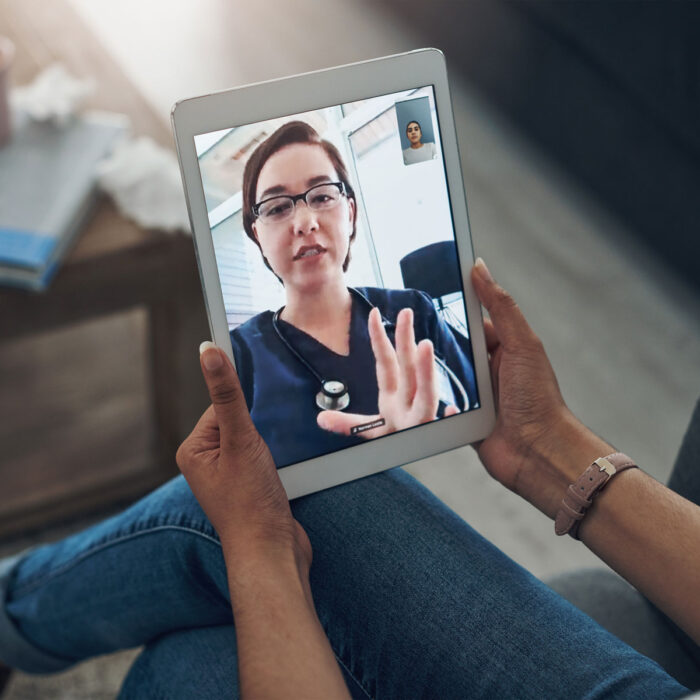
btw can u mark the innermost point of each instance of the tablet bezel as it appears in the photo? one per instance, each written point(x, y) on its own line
point(288, 96)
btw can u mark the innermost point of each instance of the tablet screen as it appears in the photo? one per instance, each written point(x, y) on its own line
point(339, 272)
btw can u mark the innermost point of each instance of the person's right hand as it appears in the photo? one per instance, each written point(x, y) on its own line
point(281, 646)
point(538, 446)
point(233, 476)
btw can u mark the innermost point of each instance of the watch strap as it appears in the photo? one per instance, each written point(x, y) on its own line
point(579, 496)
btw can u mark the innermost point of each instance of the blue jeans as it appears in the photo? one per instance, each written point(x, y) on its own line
point(415, 603)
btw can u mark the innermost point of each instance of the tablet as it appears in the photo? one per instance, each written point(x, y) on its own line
point(332, 237)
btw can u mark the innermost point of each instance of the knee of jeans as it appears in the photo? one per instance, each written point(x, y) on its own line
point(166, 531)
point(173, 501)
point(172, 504)
point(194, 559)
point(184, 535)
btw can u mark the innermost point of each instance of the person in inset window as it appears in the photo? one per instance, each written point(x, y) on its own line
point(418, 151)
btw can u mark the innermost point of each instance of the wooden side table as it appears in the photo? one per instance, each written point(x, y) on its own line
point(115, 266)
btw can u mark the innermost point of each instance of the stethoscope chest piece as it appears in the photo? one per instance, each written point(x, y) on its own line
point(333, 396)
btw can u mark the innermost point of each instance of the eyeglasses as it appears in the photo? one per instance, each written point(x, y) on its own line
point(275, 210)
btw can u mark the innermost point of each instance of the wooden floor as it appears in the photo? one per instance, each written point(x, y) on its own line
point(623, 336)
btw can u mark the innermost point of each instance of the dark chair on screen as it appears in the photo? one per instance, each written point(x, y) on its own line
point(434, 269)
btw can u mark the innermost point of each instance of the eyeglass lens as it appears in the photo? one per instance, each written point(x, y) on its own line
point(278, 209)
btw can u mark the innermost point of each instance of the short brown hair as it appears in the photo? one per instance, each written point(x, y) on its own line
point(288, 134)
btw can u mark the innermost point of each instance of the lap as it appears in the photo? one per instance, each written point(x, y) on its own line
point(413, 600)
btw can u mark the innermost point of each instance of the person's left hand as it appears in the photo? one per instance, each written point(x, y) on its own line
point(408, 389)
point(231, 472)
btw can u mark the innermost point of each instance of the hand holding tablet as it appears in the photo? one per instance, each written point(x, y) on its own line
point(333, 268)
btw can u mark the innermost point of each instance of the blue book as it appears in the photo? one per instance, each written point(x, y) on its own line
point(47, 192)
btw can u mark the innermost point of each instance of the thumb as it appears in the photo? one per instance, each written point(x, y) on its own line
point(508, 321)
point(225, 392)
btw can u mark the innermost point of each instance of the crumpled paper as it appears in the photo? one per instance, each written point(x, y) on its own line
point(54, 95)
point(144, 181)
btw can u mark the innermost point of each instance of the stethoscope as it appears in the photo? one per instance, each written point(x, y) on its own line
point(334, 394)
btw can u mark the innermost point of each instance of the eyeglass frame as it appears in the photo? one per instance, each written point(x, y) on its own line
point(297, 197)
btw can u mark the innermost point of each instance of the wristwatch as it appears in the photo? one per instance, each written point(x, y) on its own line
point(579, 496)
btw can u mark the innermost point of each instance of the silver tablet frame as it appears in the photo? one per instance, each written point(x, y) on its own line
point(316, 90)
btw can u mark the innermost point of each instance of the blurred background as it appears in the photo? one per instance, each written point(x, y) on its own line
point(580, 147)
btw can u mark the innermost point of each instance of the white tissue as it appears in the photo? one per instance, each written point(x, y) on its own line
point(144, 181)
point(142, 178)
point(54, 95)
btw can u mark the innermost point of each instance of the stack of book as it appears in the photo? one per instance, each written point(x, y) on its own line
point(48, 176)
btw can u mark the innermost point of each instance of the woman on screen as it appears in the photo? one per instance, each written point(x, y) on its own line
point(335, 365)
point(418, 151)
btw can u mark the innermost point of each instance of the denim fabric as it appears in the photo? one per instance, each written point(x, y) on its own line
point(210, 671)
point(624, 611)
point(414, 601)
point(152, 569)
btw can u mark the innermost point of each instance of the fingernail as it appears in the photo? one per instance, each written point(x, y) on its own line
point(483, 271)
point(205, 346)
point(211, 360)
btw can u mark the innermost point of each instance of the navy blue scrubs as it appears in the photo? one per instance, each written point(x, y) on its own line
point(281, 392)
